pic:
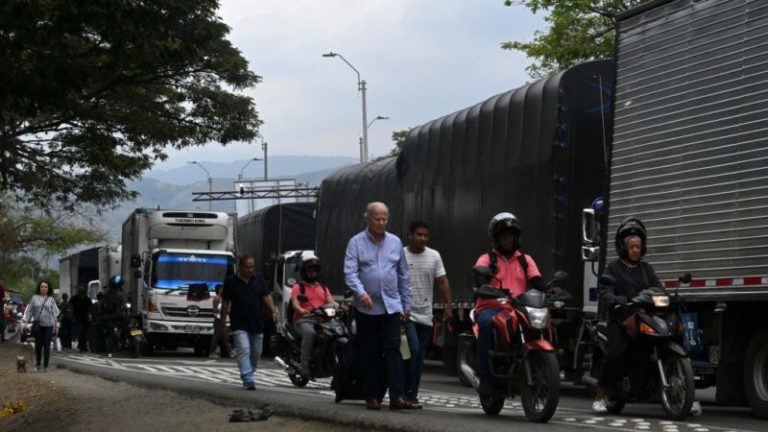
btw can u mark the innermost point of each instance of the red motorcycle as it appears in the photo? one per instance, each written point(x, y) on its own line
point(523, 360)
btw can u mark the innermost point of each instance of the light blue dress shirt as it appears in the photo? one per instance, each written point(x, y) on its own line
point(381, 271)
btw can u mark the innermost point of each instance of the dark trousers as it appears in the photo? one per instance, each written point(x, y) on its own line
point(43, 345)
point(65, 333)
point(418, 342)
point(380, 337)
point(2, 322)
point(110, 334)
point(81, 333)
point(612, 368)
point(485, 341)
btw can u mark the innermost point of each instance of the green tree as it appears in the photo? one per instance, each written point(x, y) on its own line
point(93, 93)
point(577, 31)
point(30, 236)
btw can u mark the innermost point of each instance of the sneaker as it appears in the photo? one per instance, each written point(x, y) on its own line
point(250, 385)
point(109, 355)
point(696, 409)
point(600, 406)
point(37, 368)
point(45, 369)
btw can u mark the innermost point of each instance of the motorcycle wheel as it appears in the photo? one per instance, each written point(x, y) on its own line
point(677, 398)
point(492, 405)
point(298, 380)
point(540, 399)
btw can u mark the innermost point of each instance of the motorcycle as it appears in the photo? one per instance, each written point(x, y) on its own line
point(657, 365)
point(331, 338)
point(523, 360)
point(132, 339)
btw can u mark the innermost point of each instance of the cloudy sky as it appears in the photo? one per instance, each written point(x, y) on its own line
point(421, 59)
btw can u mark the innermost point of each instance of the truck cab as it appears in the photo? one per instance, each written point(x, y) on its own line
point(285, 276)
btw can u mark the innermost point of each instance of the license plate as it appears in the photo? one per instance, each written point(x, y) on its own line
point(193, 329)
point(136, 332)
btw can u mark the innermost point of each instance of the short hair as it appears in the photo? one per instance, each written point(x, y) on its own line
point(373, 204)
point(50, 288)
point(416, 225)
point(243, 258)
point(65, 296)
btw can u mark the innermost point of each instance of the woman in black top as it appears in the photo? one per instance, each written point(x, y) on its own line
point(632, 275)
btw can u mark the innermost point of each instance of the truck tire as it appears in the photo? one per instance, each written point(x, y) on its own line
point(450, 351)
point(756, 374)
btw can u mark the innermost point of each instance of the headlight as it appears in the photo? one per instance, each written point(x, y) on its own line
point(538, 317)
point(661, 301)
point(329, 311)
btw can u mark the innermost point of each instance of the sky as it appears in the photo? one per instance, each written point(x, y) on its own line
point(421, 59)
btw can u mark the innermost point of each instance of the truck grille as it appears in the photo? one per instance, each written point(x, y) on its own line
point(188, 312)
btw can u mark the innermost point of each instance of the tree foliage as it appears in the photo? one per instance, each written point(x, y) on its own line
point(577, 31)
point(93, 93)
point(29, 236)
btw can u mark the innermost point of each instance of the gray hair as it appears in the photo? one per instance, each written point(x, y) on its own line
point(373, 205)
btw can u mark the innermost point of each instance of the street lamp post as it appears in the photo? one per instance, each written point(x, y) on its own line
point(210, 181)
point(264, 147)
point(240, 176)
point(374, 121)
point(361, 86)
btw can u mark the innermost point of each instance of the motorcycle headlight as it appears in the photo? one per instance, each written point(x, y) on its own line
point(538, 317)
point(329, 311)
point(661, 301)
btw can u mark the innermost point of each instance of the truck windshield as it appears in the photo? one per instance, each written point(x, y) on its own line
point(178, 270)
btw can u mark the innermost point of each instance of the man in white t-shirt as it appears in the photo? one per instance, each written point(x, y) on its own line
point(426, 268)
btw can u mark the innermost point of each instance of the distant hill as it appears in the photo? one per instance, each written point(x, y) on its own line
point(172, 189)
point(278, 167)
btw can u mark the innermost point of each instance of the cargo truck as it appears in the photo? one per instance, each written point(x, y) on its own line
point(77, 270)
point(690, 158)
point(172, 261)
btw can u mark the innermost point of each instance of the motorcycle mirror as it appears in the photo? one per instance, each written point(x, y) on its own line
point(303, 298)
point(686, 278)
point(607, 280)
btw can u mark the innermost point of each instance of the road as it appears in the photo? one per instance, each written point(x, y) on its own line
point(447, 405)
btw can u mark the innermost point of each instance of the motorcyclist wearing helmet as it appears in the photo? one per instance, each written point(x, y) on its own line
point(111, 312)
point(514, 271)
point(632, 275)
point(317, 295)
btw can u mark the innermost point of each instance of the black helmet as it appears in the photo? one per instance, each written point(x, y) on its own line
point(308, 261)
point(116, 282)
point(502, 222)
point(631, 226)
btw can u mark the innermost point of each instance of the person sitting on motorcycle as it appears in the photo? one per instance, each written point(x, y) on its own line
point(506, 262)
point(632, 276)
point(317, 295)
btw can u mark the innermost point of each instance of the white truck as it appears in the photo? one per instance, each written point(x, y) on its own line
point(172, 261)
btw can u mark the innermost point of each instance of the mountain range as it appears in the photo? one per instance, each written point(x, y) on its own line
point(172, 189)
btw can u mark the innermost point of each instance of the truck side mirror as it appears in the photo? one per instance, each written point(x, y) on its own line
point(135, 261)
point(589, 228)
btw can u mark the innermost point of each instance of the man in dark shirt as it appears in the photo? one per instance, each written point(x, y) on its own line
point(81, 306)
point(243, 297)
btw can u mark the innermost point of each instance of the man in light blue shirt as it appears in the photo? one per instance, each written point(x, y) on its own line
point(376, 270)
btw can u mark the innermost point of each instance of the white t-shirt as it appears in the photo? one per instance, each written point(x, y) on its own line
point(425, 267)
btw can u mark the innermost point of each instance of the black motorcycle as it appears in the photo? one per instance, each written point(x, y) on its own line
point(331, 337)
point(657, 365)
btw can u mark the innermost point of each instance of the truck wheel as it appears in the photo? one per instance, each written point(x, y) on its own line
point(756, 374)
point(465, 353)
point(450, 349)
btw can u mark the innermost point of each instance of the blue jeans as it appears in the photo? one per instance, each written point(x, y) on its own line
point(247, 352)
point(380, 336)
point(418, 342)
point(485, 341)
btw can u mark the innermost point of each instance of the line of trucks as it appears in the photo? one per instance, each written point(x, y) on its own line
point(673, 131)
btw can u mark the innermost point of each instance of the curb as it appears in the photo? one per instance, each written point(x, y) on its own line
point(286, 405)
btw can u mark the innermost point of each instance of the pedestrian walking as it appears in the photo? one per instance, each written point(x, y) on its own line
point(2, 313)
point(426, 268)
point(111, 313)
point(43, 311)
point(218, 340)
point(244, 297)
point(81, 306)
point(375, 268)
point(65, 318)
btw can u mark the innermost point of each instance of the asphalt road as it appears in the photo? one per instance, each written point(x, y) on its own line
point(447, 405)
